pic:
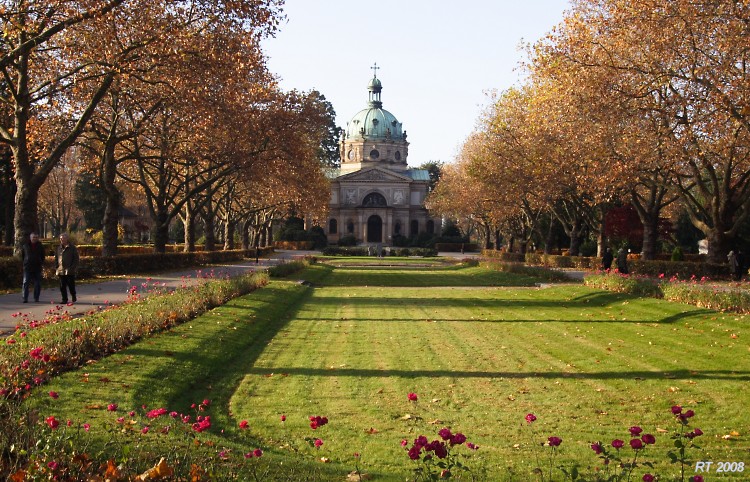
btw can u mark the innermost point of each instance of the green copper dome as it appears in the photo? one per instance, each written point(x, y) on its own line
point(374, 122)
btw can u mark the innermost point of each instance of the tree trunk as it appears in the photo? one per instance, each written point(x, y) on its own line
point(246, 235)
point(228, 234)
point(548, 238)
point(719, 245)
point(650, 236)
point(112, 209)
point(487, 236)
point(26, 218)
point(160, 232)
point(209, 228)
point(575, 238)
point(189, 222)
point(601, 239)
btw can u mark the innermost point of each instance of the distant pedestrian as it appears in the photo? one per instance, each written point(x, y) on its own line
point(736, 262)
point(33, 260)
point(607, 259)
point(66, 263)
point(622, 261)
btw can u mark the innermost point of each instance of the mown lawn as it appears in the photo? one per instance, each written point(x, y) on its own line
point(480, 348)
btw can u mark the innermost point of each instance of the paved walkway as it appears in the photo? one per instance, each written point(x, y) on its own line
point(96, 295)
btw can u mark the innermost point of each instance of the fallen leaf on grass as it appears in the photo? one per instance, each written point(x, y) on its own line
point(158, 472)
point(661, 430)
point(436, 422)
point(355, 476)
point(371, 430)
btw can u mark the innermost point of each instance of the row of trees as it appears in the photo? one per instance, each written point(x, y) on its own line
point(173, 98)
point(644, 102)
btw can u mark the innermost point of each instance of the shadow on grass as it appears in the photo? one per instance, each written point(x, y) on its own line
point(738, 376)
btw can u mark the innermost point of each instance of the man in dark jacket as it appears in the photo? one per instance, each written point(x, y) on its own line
point(66, 264)
point(33, 259)
point(607, 259)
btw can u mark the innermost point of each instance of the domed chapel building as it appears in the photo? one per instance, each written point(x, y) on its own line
point(375, 196)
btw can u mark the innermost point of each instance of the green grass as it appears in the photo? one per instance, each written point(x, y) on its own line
point(479, 354)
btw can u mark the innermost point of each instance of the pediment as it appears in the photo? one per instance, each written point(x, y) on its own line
point(375, 174)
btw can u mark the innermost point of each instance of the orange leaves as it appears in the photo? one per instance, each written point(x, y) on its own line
point(160, 471)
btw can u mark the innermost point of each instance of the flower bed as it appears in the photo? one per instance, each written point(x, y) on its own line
point(698, 292)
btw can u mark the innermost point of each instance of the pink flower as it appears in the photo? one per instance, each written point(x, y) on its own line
point(318, 442)
point(283, 418)
point(617, 443)
point(648, 439)
point(597, 448)
point(648, 478)
point(635, 431)
point(52, 422)
point(54, 395)
point(112, 407)
point(636, 444)
point(404, 443)
point(145, 429)
point(206, 402)
point(69, 423)
point(131, 413)
point(86, 426)
point(530, 417)
point(52, 465)
point(121, 420)
point(554, 441)
point(472, 446)
point(412, 397)
point(698, 432)
point(243, 424)
point(257, 452)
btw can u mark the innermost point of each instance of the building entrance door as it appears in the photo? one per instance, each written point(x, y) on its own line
point(374, 229)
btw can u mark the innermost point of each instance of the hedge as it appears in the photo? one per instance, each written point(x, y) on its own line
point(11, 269)
point(294, 245)
point(504, 256)
point(456, 247)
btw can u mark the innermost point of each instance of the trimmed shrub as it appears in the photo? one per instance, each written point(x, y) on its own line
point(344, 251)
point(520, 268)
point(624, 284)
point(504, 256)
point(422, 252)
point(557, 261)
point(456, 247)
point(290, 267)
point(347, 240)
point(683, 269)
point(293, 245)
point(708, 296)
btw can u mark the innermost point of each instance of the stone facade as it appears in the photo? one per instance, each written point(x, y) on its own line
point(375, 196)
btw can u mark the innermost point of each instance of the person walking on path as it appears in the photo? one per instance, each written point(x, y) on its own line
point(607, 259)
point(66, 263)
point(622, 261)
point(736, 262)
point(33, 259)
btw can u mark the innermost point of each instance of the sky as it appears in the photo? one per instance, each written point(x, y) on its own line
point(438, 60)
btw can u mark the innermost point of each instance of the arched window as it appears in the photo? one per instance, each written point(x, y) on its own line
point(374, 200)
point(397, 228)
point(333, 226)
point(430, 228)
point(414, 230)
point(350, 227)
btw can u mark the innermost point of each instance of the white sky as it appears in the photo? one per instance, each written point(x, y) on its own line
point(438, 59)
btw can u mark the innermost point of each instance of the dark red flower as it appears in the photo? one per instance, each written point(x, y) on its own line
point(458, 439)
point(648, 439)
point(648, 478)
point(597, 448)
point(414, 452)
point(530, 417)
point(554, 441)
point(445, 433)
point(636, 444)
point(635, 430)
point(617, 443)
point(676, 409)
point(412, 397)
